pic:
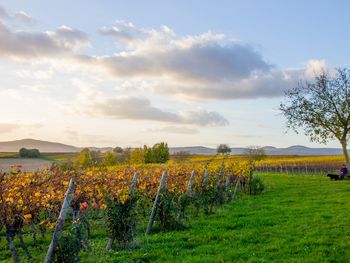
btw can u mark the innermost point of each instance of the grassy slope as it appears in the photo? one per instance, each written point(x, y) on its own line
point(298, 219)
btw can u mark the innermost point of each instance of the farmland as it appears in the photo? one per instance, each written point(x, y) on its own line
point(297, 219)
point(28, 165)
point(114, 204)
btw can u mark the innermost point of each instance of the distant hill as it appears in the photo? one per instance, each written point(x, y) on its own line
point(301, 150)
point(102, 149)
point(42, 146)
point(45, 146)
point(269, 150)
point(193, 150)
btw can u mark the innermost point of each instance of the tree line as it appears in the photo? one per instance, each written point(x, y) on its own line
point(158, 153)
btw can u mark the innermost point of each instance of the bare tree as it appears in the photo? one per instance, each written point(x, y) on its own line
point(255, 154)
point(321, 108)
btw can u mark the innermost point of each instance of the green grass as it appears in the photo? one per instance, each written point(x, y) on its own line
point(55, 157)
point(58, 157)
point(8, 155)
point(297, 219)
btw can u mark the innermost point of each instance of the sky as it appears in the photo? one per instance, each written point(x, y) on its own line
point(129, 73)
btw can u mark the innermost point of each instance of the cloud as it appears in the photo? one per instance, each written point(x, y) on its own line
point(20, 44)
point(315, 67)
point(23, 17)
point(125, 33)
point(133, 108)
point(198, 59)
point(35, 74)
point(93, 102)
point(19, 16)
point(3, 13)
point(173, 129)
point(206, 66)
point(8, 127)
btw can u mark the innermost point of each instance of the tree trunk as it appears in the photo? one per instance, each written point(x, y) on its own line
point(345, 152)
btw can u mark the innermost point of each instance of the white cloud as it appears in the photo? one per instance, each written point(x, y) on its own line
point(173, 129)
point(96, 103)
point(19, 16)
point(8, 127)
point(133, 108)
point(35, 74)
point(23, 17)
point(315, 67)
point(3, 13)
point(205, 66)
point(196, 60)
point(125, 33)
point(24, 45)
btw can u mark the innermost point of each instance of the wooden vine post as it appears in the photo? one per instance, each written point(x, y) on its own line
point(205, 178)
point(60, 221)
point(219, 189)
point(190, 183)
point(133, 183)
point(228, 181)
point(187, 195)
point(235, 191)
point(155, 204)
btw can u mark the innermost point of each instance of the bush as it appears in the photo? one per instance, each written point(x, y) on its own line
point(72, 242)
point(121, 219)
point(29, 153)
point(168, 211)
point(109, 159)
point(257, 185)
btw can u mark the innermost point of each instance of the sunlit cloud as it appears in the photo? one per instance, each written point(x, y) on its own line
point(173, 129)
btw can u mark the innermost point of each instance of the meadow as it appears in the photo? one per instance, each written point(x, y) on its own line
point(296, 219)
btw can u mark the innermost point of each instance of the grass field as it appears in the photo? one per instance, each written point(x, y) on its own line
point(297, 219)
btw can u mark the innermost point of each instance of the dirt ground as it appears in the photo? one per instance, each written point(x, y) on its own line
point(27, 165)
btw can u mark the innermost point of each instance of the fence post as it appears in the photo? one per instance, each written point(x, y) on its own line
point(228, 181)
point(187, 195)
point(190, 183)
point(60, 221)
point(306, 171)
point(205, 177)
point(155, 204)
point(235, 191)
point(133, 183)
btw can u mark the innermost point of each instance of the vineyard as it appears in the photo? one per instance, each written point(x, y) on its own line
point(33, 204)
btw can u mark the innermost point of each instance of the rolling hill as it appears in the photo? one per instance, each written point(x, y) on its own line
point(45, 146)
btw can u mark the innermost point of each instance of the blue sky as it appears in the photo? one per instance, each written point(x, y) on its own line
point(187, 72)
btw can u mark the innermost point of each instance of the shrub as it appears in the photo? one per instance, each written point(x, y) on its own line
point(121, 219)
point(168, 210)
point(257, 185)
point(109, 159)
point(70, 244)
point(29, 153)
